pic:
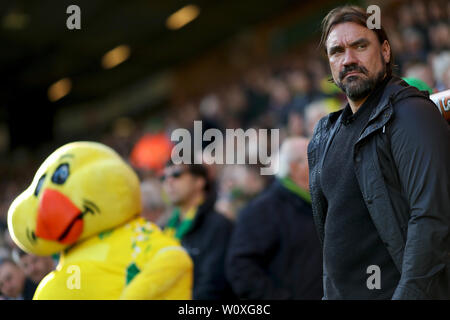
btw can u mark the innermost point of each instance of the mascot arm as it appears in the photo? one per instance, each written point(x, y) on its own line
point(168, 275)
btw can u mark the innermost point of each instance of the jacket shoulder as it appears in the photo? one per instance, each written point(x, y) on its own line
point(414, 108)
point(321, 130)
point(261, 208)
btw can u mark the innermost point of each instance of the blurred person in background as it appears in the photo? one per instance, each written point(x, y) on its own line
point(4, 252)
point(413, 47)
point(446, 78)
point(440, 64)
point(279, 101)
point(274, 252)
point(203, 232)
point(34, 267)
point(238, 184)
point(313, 113)
point(379, 174)
point(154, 208)
point(420, 71)
point(14, 284)
point(257, 94)
point(10, 244)
point(295, 124)
point(439, 35)
point(300, 87)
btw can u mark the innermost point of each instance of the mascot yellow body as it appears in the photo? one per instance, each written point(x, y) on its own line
point(84, 203)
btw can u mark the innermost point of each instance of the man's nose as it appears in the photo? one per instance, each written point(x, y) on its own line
point(349, 57)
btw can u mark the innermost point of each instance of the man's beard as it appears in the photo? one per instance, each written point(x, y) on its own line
point(357, 87)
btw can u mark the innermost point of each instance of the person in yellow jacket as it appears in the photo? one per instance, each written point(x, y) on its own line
point(84, 203)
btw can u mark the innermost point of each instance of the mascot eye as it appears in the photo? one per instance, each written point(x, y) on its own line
point(39, 185)
point(61, 174)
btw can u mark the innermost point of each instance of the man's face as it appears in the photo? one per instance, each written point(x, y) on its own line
point(179, 184)
point(12, 280)
point(36, 267)
point(357, 60)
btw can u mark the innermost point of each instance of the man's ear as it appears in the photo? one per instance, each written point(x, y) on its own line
point(200, 183)
point(386, 51)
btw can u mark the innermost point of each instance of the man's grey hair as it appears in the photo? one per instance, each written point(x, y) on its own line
point(313, 113)
point(292, 150)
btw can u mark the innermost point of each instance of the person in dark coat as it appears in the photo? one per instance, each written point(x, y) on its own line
point(203, 232)
point(274, 251)
point(379, 174)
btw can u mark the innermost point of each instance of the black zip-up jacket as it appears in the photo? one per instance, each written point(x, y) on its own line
point(207, 244)
point(274, 251)
point(402, 164)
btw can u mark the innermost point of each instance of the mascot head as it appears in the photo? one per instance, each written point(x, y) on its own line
point(81, 189)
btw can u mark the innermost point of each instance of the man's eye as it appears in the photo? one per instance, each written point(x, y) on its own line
point(39, 185)
point(362, 46)
point(335, 52)
point(61, 174)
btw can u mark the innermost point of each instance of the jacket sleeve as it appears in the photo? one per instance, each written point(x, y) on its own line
point(420, 142)
point(211, 283)
point(253, 241)
point(319, 203)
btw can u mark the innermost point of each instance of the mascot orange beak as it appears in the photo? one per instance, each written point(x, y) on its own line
point(58, 218)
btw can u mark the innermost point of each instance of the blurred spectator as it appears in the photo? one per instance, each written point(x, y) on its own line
point(440, 64)
point(440, 36)
point(34, 267)
point(11, 245)
point(420, 71)
point(211, 111)
point(446, 78)
point(153, 206)
point(238, 185)
point(279, 95)
point(14, 285)
point(405, 16)
point(435, 11)
point(203, 232)
point(274, 252)
point(4, 252)
point(419, 84)
point(295, 125)
point(313, 113)
point(413, 47)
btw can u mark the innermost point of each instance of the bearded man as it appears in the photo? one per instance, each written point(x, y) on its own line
point(379, 174)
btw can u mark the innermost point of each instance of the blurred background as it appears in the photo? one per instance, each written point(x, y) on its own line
point(137, 70)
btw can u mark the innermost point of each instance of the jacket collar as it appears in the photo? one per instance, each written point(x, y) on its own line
point(288, 196)
point(384, 110)
point(203, 210)
point(381, 114)
point(391, 87)
point(289, 184)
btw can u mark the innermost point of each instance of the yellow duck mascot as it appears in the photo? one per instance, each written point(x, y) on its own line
point(84, 203)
